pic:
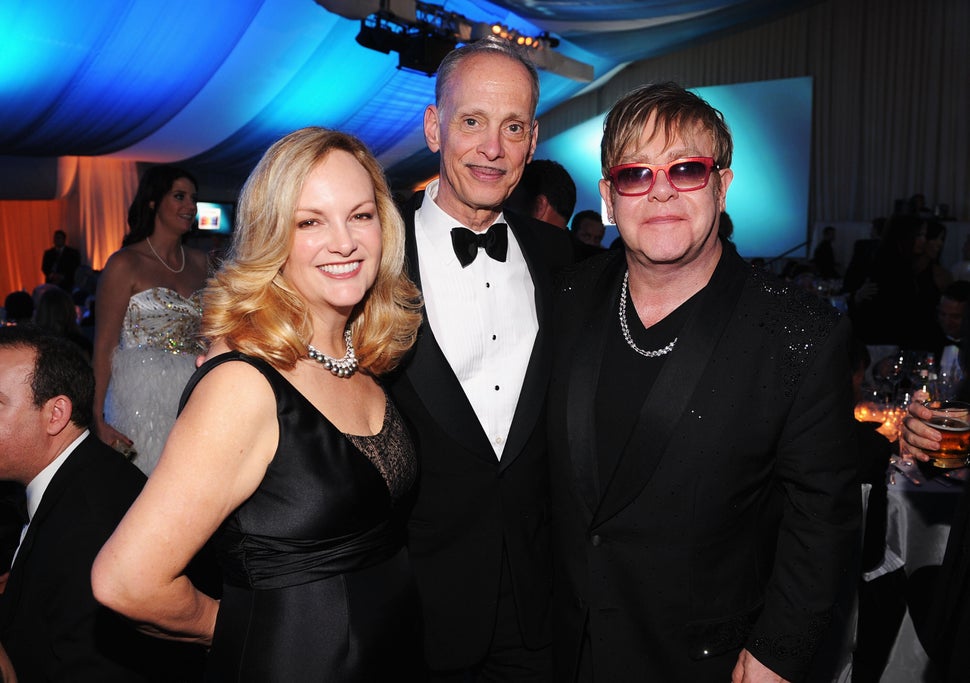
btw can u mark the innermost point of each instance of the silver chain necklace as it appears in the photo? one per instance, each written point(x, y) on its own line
point(626, 329)
point(340, 367)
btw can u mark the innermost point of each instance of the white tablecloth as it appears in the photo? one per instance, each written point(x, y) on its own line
point(917, 528)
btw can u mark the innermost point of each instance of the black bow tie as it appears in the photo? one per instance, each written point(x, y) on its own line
point(495, 242)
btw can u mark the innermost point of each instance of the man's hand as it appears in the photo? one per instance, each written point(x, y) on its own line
point(114, 438)
point(865, 292)
point(915, 436)
point(750, 670)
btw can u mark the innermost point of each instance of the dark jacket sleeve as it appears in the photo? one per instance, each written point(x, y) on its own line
point(822, 507)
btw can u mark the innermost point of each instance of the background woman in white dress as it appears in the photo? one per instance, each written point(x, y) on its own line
point(148, 314)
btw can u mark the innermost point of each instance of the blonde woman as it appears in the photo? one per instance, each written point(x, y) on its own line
point(288, 453)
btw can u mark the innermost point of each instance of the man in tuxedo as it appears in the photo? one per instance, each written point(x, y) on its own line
point(77, 490)
point(702, 456)
point(60, 262)
point(947, 337)
point(473, 387)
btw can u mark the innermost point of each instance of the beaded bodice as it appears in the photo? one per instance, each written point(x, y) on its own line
point(160, 318)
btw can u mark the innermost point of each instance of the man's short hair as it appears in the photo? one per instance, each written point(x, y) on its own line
point(549, 178)
point(59, 370)
point(958, 291)
point(677, 111)
point(585, 215)
point(486, 45)
point(19, 307)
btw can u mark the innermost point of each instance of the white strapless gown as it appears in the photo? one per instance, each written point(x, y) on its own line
point(154, 359)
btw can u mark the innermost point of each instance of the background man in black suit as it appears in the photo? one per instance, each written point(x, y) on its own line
point(546, 191)
point(474, 385)
point(60, 262)
point(77, 491)
point(946, 337)
point(703, 462)
point(824, 255)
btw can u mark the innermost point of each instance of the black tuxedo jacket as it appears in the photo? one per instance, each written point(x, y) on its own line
point(733, 511)
point(470, 505)
point(65, 265)
point(50, 624)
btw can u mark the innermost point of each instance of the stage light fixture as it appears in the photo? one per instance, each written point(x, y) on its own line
point(422, 34)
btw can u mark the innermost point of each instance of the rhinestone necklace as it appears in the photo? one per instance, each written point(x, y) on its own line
point(340, 367)
point(626, 330)
point(163, 261)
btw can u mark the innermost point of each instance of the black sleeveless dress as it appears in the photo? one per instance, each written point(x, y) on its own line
point(316, 580)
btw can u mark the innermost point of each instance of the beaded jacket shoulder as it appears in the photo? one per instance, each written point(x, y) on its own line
point(793, 311)
point(798, 323)
point(581, 276)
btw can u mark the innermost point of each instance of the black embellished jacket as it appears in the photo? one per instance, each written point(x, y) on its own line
point(730, 517)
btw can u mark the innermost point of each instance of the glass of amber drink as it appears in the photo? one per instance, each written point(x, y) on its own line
point(952, 420)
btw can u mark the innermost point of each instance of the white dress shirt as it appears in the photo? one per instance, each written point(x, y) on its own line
point(950, 371)
point(483, 317)
point(38, 486)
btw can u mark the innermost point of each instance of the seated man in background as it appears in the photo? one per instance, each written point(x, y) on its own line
point(77, 491)
point(948, 335)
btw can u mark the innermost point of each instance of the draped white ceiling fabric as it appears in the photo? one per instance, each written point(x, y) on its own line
point(211, 84)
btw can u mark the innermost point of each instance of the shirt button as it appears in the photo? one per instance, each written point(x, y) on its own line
point(498, 440)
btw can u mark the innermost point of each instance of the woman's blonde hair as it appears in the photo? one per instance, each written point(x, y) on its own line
point(251, 306)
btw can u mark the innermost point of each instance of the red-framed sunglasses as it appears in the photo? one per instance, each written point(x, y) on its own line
point(685, 175)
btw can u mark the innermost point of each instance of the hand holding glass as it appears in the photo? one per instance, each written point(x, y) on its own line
point(952, 420)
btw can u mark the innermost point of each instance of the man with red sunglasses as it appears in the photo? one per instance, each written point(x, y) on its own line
point(705, 511)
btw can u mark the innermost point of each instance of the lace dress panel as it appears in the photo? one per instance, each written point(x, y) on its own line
point(391, 451)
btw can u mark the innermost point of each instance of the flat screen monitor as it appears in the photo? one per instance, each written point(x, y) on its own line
point(215, 218)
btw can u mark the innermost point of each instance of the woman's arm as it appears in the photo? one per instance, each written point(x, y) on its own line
point(115, 287)
point(214, 459)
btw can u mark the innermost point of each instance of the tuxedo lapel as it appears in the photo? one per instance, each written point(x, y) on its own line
point(583, 380)
point(675, 386)
point(532, 395)
point(428, 370)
